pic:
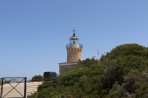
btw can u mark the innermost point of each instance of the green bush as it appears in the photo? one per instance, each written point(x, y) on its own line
point(37, 78)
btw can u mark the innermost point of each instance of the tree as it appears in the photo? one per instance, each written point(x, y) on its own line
point(37, 78)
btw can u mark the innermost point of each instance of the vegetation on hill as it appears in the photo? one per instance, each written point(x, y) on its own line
point(122, 73)
point(37, 78)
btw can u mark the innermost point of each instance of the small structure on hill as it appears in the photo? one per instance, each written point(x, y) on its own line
point(49, 75)
point(74, 54)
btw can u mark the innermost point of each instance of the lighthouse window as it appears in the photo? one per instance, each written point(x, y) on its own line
point(74, 42)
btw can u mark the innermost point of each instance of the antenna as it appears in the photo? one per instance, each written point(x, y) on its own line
point(74, 29)
point(74, 32)
point(98, 53)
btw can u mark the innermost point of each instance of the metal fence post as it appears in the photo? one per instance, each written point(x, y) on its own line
point(25, 87)
point(1, 89)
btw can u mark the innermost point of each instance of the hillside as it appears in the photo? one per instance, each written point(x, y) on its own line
point(121, 73)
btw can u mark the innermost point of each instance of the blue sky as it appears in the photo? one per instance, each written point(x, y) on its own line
point(34, 33)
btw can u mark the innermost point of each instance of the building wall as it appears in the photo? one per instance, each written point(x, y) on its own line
point(74, 54)
point(64, 67)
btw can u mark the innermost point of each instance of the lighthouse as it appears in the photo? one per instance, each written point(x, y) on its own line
point(74, 49)
point(74, 54)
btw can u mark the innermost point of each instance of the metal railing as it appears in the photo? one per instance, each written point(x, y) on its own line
point(74, 46)
point(17, 87)
point(13, 87)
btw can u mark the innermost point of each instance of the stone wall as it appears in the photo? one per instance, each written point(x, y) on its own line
point(74, 54)
point(64, 67)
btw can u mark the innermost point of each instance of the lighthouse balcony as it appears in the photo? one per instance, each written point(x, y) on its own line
point(74, 46)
